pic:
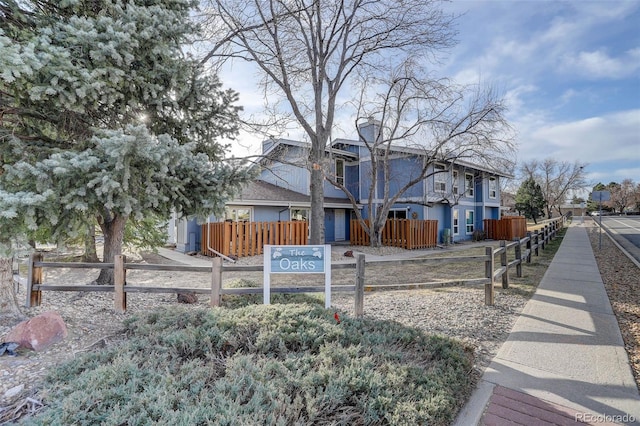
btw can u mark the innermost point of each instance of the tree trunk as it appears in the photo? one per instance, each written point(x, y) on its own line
point(113, 231)
point(90, 254)
point(316, 234)
point(375, 237)
point(9, 307)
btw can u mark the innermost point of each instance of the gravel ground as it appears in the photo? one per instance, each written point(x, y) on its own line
point(621, 279)
point(457, 312)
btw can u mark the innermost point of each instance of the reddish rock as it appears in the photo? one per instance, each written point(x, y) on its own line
point(189, 298)
point(39, 332)
point(348, 253)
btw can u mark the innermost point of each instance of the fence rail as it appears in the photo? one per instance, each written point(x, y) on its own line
point(532, 244)
point(405, 233)
point(248, 238)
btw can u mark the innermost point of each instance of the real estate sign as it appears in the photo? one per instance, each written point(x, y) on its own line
point(312, 259)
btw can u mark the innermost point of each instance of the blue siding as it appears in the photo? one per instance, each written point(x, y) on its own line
point(402, 170)
point(288, 176)
point(365, 174)
point(438, 212)
point(270, 214)
point(192, 238)
point(353, 176)
point(334, 192)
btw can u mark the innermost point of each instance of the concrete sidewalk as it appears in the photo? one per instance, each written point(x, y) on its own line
point(565, 358)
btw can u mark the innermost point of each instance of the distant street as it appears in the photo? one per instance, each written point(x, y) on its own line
point(625, 230)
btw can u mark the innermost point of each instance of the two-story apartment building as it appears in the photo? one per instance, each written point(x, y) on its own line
point(459, 195)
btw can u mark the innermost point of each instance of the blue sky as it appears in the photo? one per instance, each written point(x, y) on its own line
point(569, 70)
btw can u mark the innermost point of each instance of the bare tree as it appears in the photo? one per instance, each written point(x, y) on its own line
point(307, 51)
point(434, 126)
point(623, 195)
point(557, 179)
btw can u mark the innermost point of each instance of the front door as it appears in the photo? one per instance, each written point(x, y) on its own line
point(340, 225)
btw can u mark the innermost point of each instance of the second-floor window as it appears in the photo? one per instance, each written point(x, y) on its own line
point(439, 178)
point(454, 183)
point(493, 187)
point(340, 171)
point(468, 185)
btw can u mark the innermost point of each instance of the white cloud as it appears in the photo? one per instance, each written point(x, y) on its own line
point(600, 65)
point(613, 137)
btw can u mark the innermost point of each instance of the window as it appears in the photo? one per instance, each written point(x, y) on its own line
point(469, 221)
point(468, 185)
point(237, 214)
point(493, 187)
point(454, 182)
point(456, 222)
point(300, 214)
point(397, 214)
point(340, 171)
point(439, 178)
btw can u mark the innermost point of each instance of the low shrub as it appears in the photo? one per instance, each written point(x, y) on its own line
point(277, 364)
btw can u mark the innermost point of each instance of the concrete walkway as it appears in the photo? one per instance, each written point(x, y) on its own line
point(564, 356)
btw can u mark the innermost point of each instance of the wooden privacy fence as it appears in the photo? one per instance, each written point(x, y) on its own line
point(532, 243)
point(243, 239)
point(405, 233)
point(507, 228)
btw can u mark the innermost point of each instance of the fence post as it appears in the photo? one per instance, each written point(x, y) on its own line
point(518, 249)
point(216, 281)
point(489, 267)
point(529, 241)
point(34, 277)
point(359, 297)
point(119, 281)
point(505, 264)
point(545, 236)
point(537, 242)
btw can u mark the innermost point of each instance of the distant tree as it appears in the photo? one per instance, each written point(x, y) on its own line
point(623, 195)
point(423, 123)
point(557, 179)
point(592, 205)
point(530, 201)
point(309, 51)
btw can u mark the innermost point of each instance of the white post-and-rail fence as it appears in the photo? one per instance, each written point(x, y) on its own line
point(532, 244)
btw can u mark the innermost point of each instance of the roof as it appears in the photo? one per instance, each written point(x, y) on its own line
point(261, 193)
point(409, 150)
point(305, 145)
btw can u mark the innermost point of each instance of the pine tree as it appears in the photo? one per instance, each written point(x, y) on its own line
point(105, 117)
point(530, 200)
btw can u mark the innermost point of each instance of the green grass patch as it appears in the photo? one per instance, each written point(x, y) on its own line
point(278, 364)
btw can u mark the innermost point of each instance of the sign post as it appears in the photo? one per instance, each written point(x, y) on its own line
point(313, 259)
point(600, 196)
